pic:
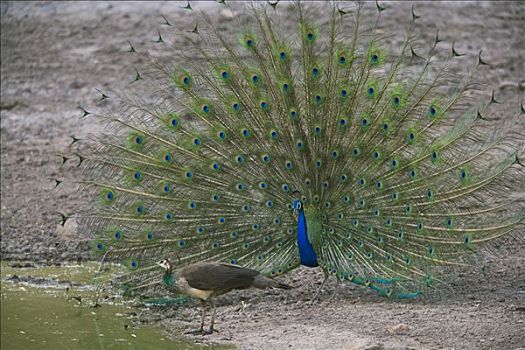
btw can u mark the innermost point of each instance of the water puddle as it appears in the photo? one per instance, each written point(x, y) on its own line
point(51, 308)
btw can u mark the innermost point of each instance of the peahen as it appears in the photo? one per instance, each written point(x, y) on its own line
point(322, 149)
point(207, 280)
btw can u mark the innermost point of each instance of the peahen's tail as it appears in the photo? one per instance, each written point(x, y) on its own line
point(263, 282)
point(391, 155)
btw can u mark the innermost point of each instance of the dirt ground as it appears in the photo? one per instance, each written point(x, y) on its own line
point(55, 54)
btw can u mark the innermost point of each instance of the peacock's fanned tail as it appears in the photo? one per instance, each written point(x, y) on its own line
point(390, 151)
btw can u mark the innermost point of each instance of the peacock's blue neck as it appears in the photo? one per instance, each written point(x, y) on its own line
point(306, 250)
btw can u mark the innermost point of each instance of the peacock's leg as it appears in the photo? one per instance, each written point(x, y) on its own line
point(201, 328)
point(326, 275)
point(336, 289)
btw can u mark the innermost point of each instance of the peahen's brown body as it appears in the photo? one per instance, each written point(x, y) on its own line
point(207, 280)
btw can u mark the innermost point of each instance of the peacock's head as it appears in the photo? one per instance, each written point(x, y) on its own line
point(297, 207)
point(165, 264)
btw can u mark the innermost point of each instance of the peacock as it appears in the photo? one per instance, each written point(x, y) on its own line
point(322, 148)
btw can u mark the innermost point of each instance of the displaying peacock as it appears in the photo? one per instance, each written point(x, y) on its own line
point(322, 149)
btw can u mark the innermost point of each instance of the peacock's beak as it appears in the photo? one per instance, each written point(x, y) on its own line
point(295, 213)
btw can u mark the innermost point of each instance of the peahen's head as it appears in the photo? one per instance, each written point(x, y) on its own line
point(166, 265)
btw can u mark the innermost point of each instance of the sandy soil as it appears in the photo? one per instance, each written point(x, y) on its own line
point(55, 54)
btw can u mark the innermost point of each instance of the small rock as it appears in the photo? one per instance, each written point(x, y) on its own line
point(400, 328)
point(227, 14)
point(508, 84)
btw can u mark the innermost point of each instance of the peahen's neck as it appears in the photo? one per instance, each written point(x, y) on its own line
point(168, 279)
point(306, 250)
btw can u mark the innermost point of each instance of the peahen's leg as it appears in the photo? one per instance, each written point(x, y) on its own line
point(201, 328)
point(212, 320)
point(326, 275)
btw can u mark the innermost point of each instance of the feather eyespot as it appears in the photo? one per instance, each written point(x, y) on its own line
point(396, 101)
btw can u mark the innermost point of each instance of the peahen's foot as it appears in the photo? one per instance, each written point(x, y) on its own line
point(199, 331)
point(210, 331)
point(202, 331)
